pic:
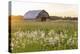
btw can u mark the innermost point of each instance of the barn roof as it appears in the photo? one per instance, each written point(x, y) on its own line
point(32, 14)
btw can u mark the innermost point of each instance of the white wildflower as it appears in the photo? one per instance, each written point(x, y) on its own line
point(56, 38)
point(12, 44)
point(33, 34)
point(69, 41)
point(11, 48)
point(51, 33)
point(52, 41)
point(42, 34)
point(61, 35)
point(19, 34)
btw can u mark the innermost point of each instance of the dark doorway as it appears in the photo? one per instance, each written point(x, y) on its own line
point(43, 18)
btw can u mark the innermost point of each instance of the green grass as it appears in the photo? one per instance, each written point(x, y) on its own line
point(43, 36)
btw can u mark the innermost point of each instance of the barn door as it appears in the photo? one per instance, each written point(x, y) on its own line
point(43, 19)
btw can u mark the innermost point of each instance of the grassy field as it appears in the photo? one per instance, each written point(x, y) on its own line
point(43, 36)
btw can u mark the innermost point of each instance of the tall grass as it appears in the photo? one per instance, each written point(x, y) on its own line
point(39, 36)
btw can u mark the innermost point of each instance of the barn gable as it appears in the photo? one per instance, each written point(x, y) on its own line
point(33, 14)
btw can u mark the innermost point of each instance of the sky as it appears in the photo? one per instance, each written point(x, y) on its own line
point(54, 9)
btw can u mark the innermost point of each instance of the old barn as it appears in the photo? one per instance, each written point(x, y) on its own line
point(38, 15)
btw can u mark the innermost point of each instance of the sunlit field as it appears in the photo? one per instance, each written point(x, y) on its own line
point(30, 36)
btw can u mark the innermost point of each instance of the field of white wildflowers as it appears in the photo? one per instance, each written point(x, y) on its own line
point(43, 36)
